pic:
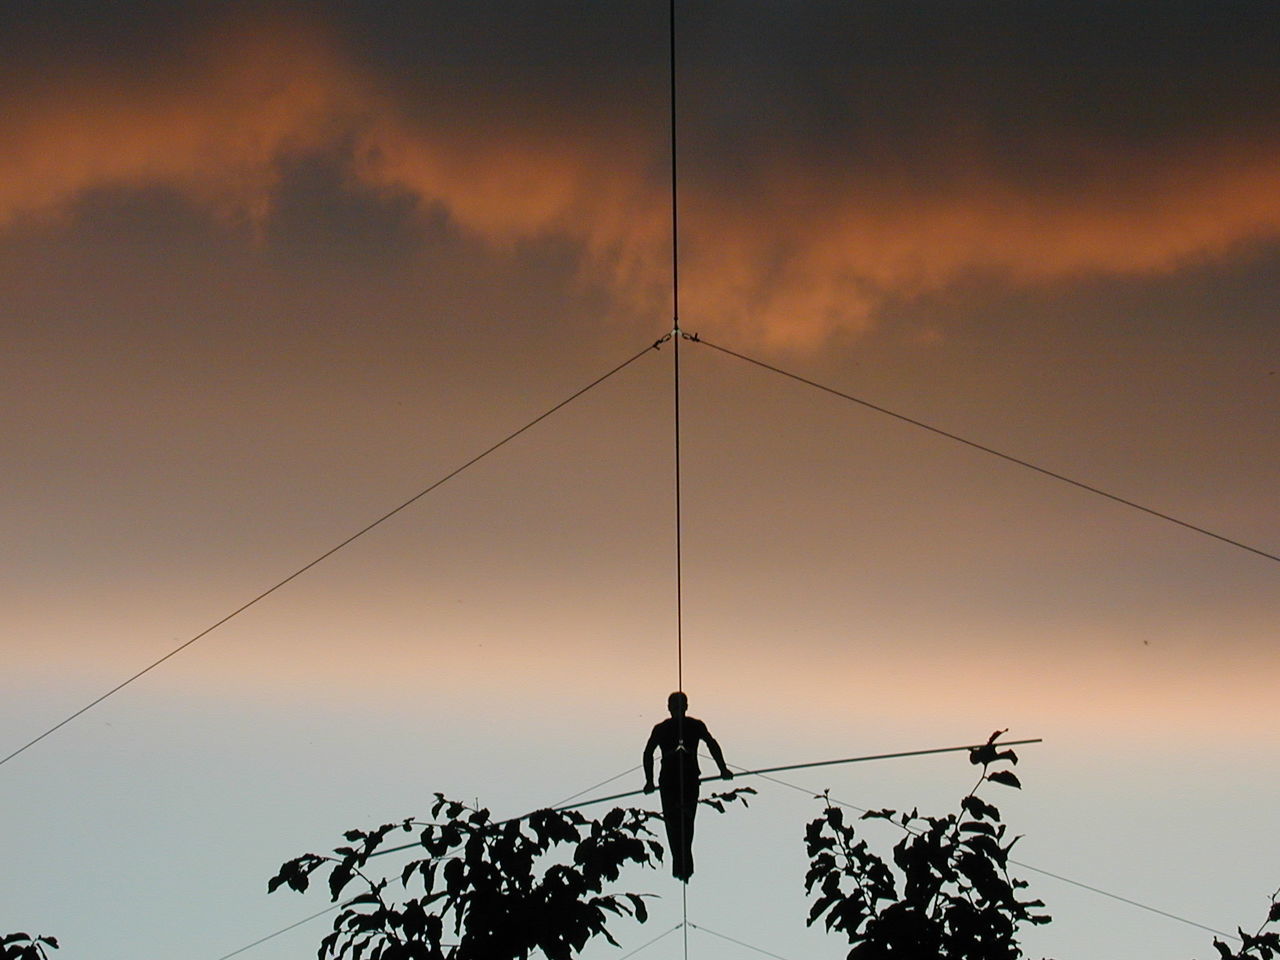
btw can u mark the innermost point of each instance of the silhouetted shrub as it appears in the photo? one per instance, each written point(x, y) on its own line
point(487, 890)
point(948, 892)
point(1263, 945)
point(23, 946)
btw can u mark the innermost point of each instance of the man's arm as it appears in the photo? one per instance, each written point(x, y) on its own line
point(716, 755)
point(649, 748)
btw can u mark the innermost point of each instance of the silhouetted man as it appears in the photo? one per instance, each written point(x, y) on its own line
point(678, 737)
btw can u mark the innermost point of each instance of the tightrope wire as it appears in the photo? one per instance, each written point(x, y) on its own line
point(338, 906)
point(901, 754)
point(765, 774)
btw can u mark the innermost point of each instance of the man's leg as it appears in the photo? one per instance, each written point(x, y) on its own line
point(688, 811)
point(673, 817)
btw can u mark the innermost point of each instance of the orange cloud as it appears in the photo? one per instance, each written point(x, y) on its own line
point(216, 133)
point(814, 252)
point(517, 184)
point(816, 248)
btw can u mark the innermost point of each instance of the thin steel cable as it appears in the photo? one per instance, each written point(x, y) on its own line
point(595, 786)
point(679, 531)
point(989, 450)
point(330, 552)
point(744, 773)
point(271, 936)
point(677, 336)
point(685, 848)
point(1027, 866)
point(646, 946)
point(817, 763)
point(559, 807)
point(740, 943)
point(336, 906)
point(684, 917)
point(1132, 903)
point(675, 206)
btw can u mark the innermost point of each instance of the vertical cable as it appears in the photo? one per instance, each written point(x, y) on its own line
point(679, 526)
point(675, 209)
point(676, 336)
point(684, 911)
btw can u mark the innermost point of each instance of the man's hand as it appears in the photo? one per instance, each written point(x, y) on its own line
point(726, 773)
point(648, 786)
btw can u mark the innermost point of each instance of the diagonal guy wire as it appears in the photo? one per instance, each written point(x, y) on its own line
point(984, 448)
point(646, 946)
point(741, 943)
point(330, 552)
point(1027, 866)
point(338, 906)
point(271, 936)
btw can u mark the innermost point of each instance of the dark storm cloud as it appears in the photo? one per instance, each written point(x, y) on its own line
point(833, 76)
point(1126, 71)
point(834, 155)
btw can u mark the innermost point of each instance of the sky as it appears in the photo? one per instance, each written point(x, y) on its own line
point(268, 270)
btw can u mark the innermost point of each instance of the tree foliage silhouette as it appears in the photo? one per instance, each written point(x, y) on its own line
point(487, 890)
point(957, 899)
point(1262, 945)
point(23, 946)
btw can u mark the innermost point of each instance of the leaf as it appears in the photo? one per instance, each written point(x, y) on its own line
point(453, 875)
point(1274, 913)
point(981, 755)
point(1007, 777)
point(295, 873)
point(984, 845)
point(820, 907)
point(637, 903)
point(338, 879)
point(980, 808)
point(986, 753)
point(879, 815)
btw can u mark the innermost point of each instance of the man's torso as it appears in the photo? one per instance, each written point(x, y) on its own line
point(670, 734)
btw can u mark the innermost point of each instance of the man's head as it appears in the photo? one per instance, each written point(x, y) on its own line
point(678, 703)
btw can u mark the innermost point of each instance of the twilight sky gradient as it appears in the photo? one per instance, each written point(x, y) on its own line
point(268, 269)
